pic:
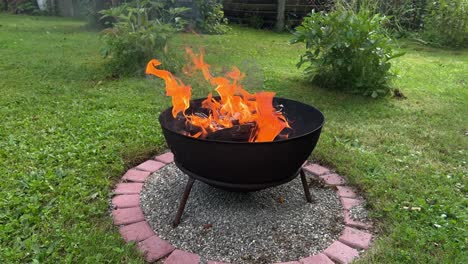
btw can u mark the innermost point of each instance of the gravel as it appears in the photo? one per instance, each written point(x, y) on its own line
point(359, 213)
point(267, 226)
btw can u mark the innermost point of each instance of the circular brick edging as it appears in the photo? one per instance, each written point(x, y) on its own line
point(128, 216)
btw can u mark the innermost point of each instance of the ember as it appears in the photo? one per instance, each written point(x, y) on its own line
point(235, 115)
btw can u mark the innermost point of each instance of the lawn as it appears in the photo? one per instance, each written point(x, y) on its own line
point(68, 132)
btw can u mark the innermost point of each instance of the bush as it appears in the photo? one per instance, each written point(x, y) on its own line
point(21, 6)
point(404, 15)
point(138, 35)
point(211, 18)
point(347, 49)
point(446, 23)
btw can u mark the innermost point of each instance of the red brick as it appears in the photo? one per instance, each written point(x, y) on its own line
point(333, 179)
point(150, 165)
point(167, 157)
point(349, 203)
point(345, 191)
point(317, 259)
point(128, 188)
point(136, 175)
point(355, 238)
point(128, 216)
point(182, 257)
point(354, 223)
point(289, 262)
point(126, 201)
point(155, 248)
point(341, 253)
point(316, 169)
point(136, 232)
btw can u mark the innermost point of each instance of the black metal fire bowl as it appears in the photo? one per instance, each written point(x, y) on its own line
point(246, 166)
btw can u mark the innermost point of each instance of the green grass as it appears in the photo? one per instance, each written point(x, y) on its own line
point(68, 133)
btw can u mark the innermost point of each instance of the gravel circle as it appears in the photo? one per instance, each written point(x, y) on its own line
point(271, 225)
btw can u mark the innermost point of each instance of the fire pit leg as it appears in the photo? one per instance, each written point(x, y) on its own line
point(306, 187)
point(183, 201)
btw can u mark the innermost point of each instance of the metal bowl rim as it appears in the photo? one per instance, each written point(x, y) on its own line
point(250, 143)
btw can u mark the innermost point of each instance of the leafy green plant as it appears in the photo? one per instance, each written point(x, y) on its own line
point(22, 6)
point(140, 33)
point(211, 18)
point(348, 50)
point(404, 15)
point(446, 23)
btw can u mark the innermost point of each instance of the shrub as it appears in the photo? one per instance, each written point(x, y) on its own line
point(404, 15)
point(139, 34)
point(347, 49)
point(446, 23)
point(211, 18)
point(21, 6)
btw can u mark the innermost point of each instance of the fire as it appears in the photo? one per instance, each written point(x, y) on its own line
point(175, 88)
point(236, 106)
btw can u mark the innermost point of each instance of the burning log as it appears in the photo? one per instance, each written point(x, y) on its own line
point(235, 133)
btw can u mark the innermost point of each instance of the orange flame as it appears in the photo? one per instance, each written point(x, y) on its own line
point(175, 88)
point(236, 106)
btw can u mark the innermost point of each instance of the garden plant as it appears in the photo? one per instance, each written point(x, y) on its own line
point(347, 49)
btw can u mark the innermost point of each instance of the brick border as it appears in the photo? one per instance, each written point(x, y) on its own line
point(128, 216)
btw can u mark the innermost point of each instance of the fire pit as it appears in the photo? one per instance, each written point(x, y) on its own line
point(238, 141)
